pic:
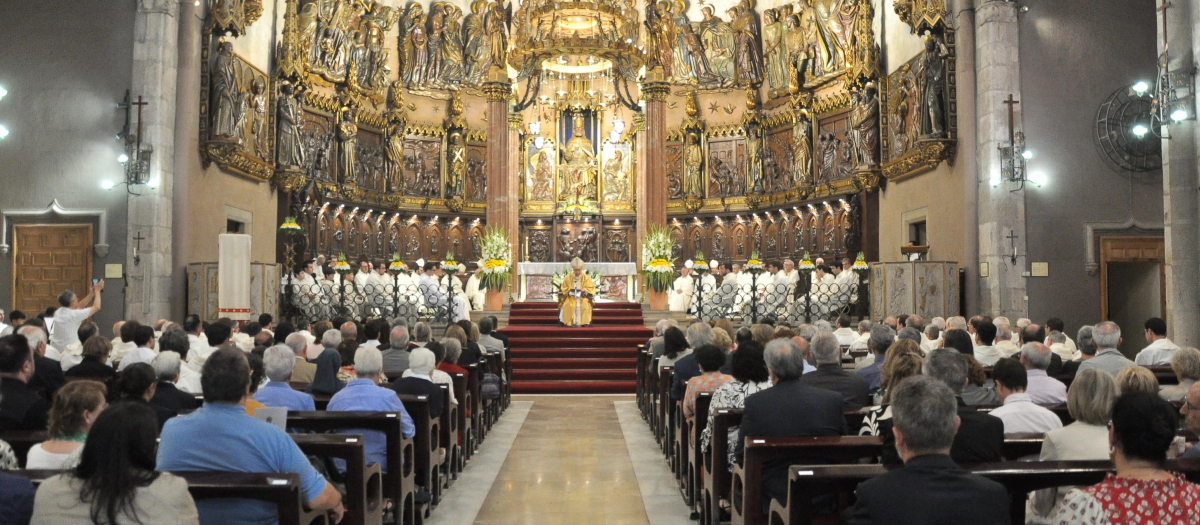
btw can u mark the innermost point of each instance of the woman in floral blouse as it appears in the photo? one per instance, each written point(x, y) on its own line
point(710, 358)
point(749, 371)
point(1142, 490)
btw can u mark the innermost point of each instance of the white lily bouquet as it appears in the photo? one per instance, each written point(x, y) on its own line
point(497, 260)
point(659, 267)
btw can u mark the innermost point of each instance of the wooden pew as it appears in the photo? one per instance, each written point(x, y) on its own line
point(641, 379)
point(425, 446)
point(402, 459)
point(448, 439)
point(823, 450)
point(474, 386)
point(679, 445)
point(23, 440)
point(1019, 477)
point(717, 476)
point(364, 483)
point(463, 421)
point(695, 459)
point(663, 409)
point(281, 489)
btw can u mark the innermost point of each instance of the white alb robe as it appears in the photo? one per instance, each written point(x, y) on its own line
point(681, 294)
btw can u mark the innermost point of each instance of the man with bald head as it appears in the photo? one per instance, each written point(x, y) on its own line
point(1042, 389)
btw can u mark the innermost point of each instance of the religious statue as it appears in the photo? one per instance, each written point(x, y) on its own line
point(540, 188)
point(416, 54)
point(932, 75)
point(694, 51)
point(829, 148)
point(754, 155)
point(693, 163)
point(258, 126)
point(616, 179)
point(748, 58)
point(289, 152)
point(662, 28)
point(580, 165)
point(864, 120)
point(455, 186)
point(360, 60)
point(822, 54)
point(227, 96)
point(717, 38)
point(774, 50)
point(476, 53)
point(576, 296)
point(393, 147)
point(347, 136)
point(802, 147)
point(452, 47)
point(566, 245)
point(495, 25)
point(437, 29)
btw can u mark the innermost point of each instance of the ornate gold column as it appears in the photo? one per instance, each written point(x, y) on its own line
point(502, 198)
point(651, 156)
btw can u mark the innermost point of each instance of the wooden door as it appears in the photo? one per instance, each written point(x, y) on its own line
point(1130, 250)
point(48, 259)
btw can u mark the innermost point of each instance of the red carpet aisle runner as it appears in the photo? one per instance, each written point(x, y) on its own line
point(549, 359)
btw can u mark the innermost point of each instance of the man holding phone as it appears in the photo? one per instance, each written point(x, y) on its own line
point(73, 313)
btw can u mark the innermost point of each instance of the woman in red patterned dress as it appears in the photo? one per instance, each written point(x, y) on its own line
point(1142, 491)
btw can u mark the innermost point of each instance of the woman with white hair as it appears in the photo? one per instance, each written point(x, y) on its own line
point(576, 296)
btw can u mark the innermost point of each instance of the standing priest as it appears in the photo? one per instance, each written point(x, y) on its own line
point(576, 296)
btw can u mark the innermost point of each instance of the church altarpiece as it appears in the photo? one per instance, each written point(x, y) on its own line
point(796, 115)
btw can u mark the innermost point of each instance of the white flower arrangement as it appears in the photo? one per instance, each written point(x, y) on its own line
point(860, 263)
point(659, 266)
point(806, 264)
point(701, 266)
point(497, 259)
point(754, 265)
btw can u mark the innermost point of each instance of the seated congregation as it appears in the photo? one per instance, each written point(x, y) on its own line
point(241, 423)
point(908, 421)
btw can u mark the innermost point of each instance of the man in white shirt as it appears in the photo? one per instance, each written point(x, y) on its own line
point(435, 296)
point(1019, 413)
point(846, 335)
point(931, 338)
point(216, 334)
point(5, 329)
point(185, 375)
point(864, 335)
point(1042, 389)
point(73, 312)
point(681, 291)
point(381, 287)
point(1161, 349)
point(372, 330)
point(302, 328)
point(123, 344)
point(1058, 344)
point(1055, 323)
point(985, 353)
point(143, 337)
point(1005, 338)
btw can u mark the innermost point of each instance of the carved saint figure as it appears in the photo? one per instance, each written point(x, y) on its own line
point(717, 38)
point(416, 55)
point(289, 152)
point(580, 160)
point(748, 57)
point(360, 59)
point(347, 135)
point(258, 126)
point(754, 155)
point(227, 106)
point(865, 122)
point(455, 187)
point(616, 179)
point(693, 160)
point(774, 50)
point(393, 144)
point(496, 26)
point(932, 77)
point(452, 47)
point(476, 52)
point(543, 177)
point(694, 50)
point(829, 148)
point(802, 146)
point(437, 29)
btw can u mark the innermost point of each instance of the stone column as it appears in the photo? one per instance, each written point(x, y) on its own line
point(501, 204)
point(1001, 209)
point(512, 186)
point(155, 55)
point(965, 68)
point(652, 157)
point(1181, 218)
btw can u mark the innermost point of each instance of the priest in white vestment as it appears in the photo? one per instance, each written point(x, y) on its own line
point(745, 283)
point(792, 277)
point(436, 297)
point(381, 289)
point(476, 296)
point(681, 291)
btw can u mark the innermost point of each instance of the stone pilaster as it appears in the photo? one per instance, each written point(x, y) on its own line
point(512, 186)
point(1001, 209)
point(502, 206)
point(652, 157)
point(155, 55)
point(964, 20)
point(1181, 216)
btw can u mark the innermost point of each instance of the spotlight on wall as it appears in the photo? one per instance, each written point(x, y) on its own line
point(122, 158)
point(1140, 87)
point(1027, 154)
point(1037, 178)
point(1140, 131)
point(3, 132)
point(3, 92)
point(153, 182)
point(107, 184)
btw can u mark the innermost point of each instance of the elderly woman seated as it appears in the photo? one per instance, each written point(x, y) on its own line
point(1186, 365)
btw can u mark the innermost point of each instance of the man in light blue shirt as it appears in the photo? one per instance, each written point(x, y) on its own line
point(220, 437)
point(365, 394)
point(278, 361)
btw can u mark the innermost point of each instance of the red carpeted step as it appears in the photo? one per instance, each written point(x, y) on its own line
point(572, 353)
point(575, 375)
point(574, 387)
point(521, 344)
point(572, 363)
point(553, 321)
point(551, 305)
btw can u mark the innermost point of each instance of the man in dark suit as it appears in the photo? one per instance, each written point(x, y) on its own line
point(21, 408)
point(788, 408)
point(980, 436)
point(829, 375)
point(1033, 333)
point(931, 488)
point(496, 326)
point(47, 374)
point(167, 366)
point(421, 363)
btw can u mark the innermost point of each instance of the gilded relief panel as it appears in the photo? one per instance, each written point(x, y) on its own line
point(617, 185)
point(476, 172)
point(777, 161)
point(674, 170)
point(422, 167)
point(726, 167)
point(833, 148)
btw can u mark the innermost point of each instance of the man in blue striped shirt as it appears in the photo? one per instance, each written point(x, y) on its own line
point(365, 394)
point(278, 361)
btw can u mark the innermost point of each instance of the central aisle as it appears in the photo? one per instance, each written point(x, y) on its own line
point(569, 465)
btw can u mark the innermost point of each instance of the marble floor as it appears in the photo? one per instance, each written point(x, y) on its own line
point(569, 460)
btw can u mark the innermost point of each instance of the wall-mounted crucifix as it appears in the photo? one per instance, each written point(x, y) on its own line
point(137, 259)
point(1012, 239)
